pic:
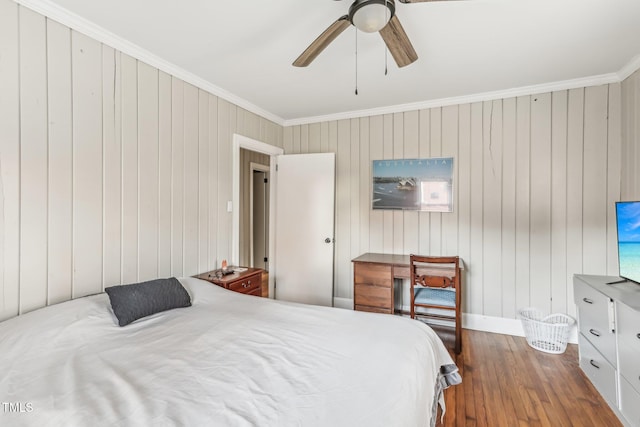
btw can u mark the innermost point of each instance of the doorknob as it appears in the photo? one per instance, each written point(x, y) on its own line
point(327, 240)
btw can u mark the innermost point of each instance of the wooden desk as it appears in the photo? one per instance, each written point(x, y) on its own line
point(373, 279)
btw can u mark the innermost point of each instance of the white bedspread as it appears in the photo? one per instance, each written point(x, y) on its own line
point(229, 360)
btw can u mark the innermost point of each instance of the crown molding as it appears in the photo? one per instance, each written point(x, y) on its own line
point(466, 99)
point(84, 26)
point(77, 23)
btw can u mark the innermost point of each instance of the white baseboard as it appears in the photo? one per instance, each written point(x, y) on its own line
point(343, 303)
point(477, 322)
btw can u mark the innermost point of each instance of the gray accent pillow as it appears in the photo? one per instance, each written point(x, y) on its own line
point(132, 302)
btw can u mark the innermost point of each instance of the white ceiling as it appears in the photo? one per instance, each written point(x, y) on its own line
point(246, 47)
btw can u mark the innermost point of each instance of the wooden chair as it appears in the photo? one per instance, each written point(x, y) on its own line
point(435, 284)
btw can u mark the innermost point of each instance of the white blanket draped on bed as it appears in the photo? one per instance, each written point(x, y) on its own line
point(229, 360)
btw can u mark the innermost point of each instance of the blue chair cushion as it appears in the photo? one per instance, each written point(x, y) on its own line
point(435, 296)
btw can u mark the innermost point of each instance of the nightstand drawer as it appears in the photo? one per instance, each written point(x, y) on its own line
point(247, 284)
point(601, 373)
point(373, 309)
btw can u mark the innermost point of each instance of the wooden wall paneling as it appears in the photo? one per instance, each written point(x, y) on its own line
point(224, 137)
point(288, 140)
point(332, 147)
point(628, 128)
point(398, 153)
point(411, 226)
point(424, 151)
point(33, 161)
point(364, 169)
point(342, 246)
point(129, 123)
point(387, 154)
point(634, 176)
point(575, 141)
point(463, 187)
point(324, 137)
point(614, 172)
point(508, 214)
point(203, 181)
point(148, 172)
point(112, 167)
point(9, 161)
point(164, 172)
point(177, 177)
point(295, 148)
point(540, 227)
point(355, 199)
point(595, 181)
point(213, 182)
point(476, 258)
point(559, 281)
point(492, 203)
point(226, 180)
point(59, 227)
point(523, 200)
point(87, 165)
point(450, 149)
point(435, 150)
point(191, 191)
point(314, 138)
point(376, 152)
point(304, 138)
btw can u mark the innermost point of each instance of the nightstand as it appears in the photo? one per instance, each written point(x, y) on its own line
point(247, 282)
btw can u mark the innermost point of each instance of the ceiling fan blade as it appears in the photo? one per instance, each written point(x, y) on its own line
point(398, 42)
point(323, 40)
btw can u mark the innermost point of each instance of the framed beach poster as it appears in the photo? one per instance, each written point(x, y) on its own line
point(413, 184)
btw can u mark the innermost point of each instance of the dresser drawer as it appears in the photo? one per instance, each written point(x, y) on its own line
point(628, 327)
point(601, 373)
point(247, 285)
point(373, 296)
point(593, 320)
point(373, 274)
point(629, 403)
point(373, 309)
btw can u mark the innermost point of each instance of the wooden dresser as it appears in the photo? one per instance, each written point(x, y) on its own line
point(247, 282)
point(609, 341)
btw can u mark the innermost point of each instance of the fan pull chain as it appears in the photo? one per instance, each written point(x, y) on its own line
point(356, 30)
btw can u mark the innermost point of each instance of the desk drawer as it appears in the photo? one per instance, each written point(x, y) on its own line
point(373, 296)
point(373, 274)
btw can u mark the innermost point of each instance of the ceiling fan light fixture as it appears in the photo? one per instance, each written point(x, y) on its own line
point(371, 16)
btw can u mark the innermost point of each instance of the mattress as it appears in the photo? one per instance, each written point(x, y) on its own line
point(228, 360)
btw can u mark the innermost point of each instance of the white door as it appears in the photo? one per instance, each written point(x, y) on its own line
point(304, 228)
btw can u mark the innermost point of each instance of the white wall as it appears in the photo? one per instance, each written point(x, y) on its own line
point(536, 178)
point(110, 170)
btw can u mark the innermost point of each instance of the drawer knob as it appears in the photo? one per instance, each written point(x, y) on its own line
point(245, 285)
point(587, 300)
point(594, 364)
point(594, 332)
point(638, 336)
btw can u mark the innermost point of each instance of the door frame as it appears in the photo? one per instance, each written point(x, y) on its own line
point(253, 166)
point(241, 141)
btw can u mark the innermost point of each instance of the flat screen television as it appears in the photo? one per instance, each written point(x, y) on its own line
point(628, 225)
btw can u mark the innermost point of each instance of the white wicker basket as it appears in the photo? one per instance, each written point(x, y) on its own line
point(546, 333)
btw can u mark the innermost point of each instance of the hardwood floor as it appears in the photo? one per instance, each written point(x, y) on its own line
point(507, 383)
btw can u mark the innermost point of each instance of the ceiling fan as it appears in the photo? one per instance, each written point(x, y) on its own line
point(369, 16)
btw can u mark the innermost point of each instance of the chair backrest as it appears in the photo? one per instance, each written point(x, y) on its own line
point(435, 271)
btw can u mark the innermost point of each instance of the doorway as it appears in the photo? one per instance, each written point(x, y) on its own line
point(259, 217)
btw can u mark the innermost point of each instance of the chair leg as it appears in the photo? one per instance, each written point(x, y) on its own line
point(458, 344)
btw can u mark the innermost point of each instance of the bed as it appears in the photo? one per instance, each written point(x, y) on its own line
point(228, 360)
